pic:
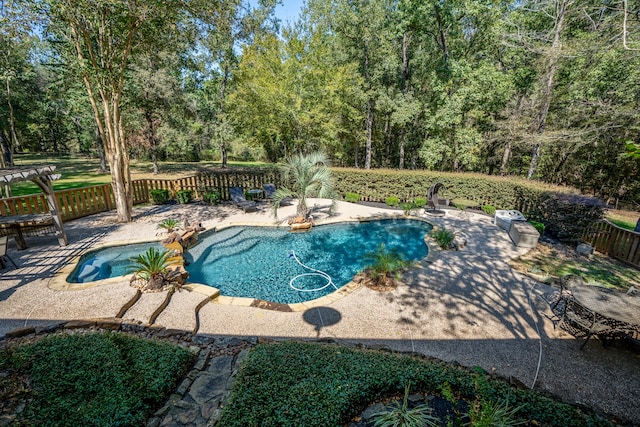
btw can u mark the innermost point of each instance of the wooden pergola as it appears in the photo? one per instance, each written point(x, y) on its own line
point(43, 177)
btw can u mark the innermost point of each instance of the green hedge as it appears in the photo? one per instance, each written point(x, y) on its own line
point(306, 384)
point(564, 213)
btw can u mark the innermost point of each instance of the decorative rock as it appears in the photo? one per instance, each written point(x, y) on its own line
point(584, 249)
point(110, 323)
point(21, 332)
point(372, 410)
point(80, 324)
point(202, 359)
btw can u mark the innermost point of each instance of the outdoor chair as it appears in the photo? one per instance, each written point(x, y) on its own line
point(237, 197)
point(433, 202)
point(584, 320)
point(270, 191)
point(4, 240)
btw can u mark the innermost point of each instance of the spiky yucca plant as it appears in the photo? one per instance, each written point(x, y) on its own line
point(304, 176)
point(400, 415)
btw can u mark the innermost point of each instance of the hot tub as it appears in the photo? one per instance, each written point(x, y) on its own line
point(503, 218)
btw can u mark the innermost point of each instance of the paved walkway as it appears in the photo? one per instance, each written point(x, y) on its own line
point(467, 306)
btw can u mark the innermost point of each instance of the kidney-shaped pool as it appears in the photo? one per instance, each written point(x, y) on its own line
point(273, 264)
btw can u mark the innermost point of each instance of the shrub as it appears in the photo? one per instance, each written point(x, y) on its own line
point(420, 202)
point(314, 385)
point(384, 263)
point(407, 208)
point(97, 379)
point(443, 237)
point(566, 216)
point(184, 196)
point(352, 197)
point(160, 196)
point(538, 226)
point(211, 197)
point(488, 209)
point(392, 201)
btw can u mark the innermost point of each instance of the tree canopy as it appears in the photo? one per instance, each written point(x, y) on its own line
point(540, 88)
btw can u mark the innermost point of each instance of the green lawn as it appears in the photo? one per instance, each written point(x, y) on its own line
point(548, 263)
point(79, 171)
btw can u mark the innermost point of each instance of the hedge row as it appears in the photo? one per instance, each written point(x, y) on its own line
point(563, 211)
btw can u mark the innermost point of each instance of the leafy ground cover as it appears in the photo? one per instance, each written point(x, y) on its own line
point(93, 379)
point(549, 262)
point(306, 384)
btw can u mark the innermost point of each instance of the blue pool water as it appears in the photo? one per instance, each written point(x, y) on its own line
point(108, 262)
point(257, 262)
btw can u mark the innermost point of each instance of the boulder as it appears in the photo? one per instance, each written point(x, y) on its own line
point(584, 249)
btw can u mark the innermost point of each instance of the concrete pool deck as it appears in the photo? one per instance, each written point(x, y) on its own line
point(467, 306)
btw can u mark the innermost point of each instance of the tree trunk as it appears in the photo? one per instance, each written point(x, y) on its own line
point(504, 167)
point(13, 141)
point(223, 89)
point(152, 139)
point(403, 141)
point(100, 146)
point(367, 153)
point(554, 57)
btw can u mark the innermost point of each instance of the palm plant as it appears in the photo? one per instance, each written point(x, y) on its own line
point(384, 263)
point(169, 224)
point(304, 176)
point(151, 266)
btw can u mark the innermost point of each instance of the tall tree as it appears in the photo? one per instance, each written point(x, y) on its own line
point(104, 36)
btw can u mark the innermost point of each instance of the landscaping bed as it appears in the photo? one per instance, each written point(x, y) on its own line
point(88, 379)
point(294, 383)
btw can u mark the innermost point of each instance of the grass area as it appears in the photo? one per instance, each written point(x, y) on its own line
point(79, 171)
point(93, 379)
point(549, 262)
point(305, 384)
point(623, 219)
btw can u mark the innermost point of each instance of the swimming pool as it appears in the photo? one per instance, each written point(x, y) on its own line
point(262, 262)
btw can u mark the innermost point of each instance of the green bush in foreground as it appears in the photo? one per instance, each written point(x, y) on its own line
point(306, 384)
point(97, 379)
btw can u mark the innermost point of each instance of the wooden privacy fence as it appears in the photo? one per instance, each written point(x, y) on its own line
point(81, 202)
point(618, 243)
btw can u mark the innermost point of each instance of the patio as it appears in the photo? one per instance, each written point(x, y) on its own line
point(467, 306)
